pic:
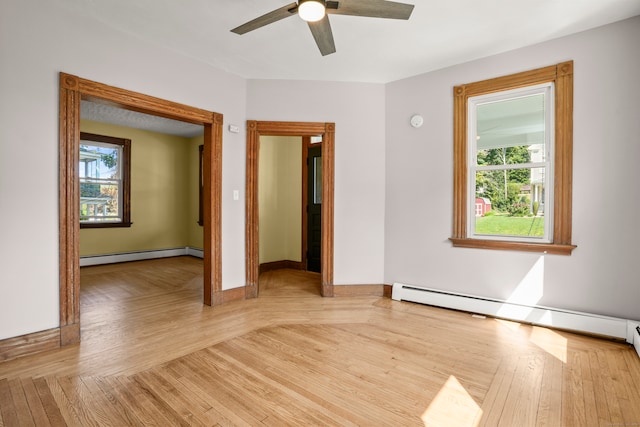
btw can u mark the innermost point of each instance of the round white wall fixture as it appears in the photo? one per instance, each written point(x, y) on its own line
point(416, 120)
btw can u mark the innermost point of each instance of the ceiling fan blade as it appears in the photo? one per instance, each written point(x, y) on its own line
point(268, 18)
point(371, 8)
point(321, 31)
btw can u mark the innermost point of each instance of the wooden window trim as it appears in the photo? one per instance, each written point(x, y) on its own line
point(126, 180)
point(562, 76)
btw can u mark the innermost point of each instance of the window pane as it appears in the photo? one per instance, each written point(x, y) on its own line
point(99, 171)
point(510, 202)
point(99, 161)
point(99, 202)
point(511, 131)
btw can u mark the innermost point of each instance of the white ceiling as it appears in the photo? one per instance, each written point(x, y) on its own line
point(438, 34)
point(121, 117)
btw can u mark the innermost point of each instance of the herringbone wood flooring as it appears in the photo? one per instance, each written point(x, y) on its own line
point(152, 354)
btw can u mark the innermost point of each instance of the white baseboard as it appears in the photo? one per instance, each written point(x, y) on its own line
point(537, 315)
point(138, 256)
point(198, 253)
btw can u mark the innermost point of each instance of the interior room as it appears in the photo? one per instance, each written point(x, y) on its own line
point(418, 313)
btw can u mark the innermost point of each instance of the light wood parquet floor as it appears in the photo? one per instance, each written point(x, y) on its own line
point(152, 354)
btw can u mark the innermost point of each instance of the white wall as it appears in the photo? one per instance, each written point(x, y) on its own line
point(601, 276)
point(38, 40)
point(358, 112)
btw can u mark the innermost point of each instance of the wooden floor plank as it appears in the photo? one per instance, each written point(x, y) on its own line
point(608, 388)
point(7, 407)
point(110, 410)
point(292, 406)
point(524, 394)
point(223, 398)
point(25, 417)
point(36, 408)
point(152, 354)
point(64, 405)
point(588, 388)
point(171, 396)
point(628, 396)
point(48, 403)
point(315, 382)
point(80, 401)
point(191, 399)
point(159, 402)
point(264, 401)
point(573, 410)
point(222, 414)
point(138, 403)
point(550, 404)
point(498, 394)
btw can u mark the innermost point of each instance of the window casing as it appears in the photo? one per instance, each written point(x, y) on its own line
point(104, 171)
point(553, 159)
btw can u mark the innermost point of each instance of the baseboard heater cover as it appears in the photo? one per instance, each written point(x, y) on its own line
point(537, 315)
point(139, 256)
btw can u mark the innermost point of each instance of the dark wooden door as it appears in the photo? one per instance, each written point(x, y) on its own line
point(314, 207)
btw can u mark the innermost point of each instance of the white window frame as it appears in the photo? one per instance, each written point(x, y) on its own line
point(547, 89)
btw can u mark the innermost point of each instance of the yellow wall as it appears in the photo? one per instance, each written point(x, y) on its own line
point(162, 197)
point(280, 199)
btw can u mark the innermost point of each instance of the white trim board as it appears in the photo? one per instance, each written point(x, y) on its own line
point(537, 315)
point(139, 256)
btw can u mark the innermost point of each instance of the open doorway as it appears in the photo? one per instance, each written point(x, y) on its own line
point(255, 130)
point(72, 91)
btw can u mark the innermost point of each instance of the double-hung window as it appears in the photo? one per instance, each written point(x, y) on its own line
point(513, 141)
point(510, 170)
point(104, 169)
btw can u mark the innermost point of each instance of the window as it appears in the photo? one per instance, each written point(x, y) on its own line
point(513, 162)
point(104, 170)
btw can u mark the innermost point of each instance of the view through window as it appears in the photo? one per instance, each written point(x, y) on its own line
point(104, 183)
point(510, 147)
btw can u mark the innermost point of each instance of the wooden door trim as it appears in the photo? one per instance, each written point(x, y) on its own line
point(255, 129)
point(73, 89)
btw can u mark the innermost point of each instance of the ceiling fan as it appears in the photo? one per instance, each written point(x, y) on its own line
point(315, 13)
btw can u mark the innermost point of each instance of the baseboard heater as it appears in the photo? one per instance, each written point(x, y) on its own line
point(139, 256)
point(537, 315)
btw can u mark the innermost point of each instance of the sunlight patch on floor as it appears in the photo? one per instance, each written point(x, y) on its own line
point(452, 406)
point(551, 342)
point(512, 326)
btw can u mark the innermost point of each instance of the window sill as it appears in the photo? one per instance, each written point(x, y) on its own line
point(105, 225)
point(547, 248)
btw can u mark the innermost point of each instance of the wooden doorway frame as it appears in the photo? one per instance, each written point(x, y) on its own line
point(73, 89)
point(256, 129)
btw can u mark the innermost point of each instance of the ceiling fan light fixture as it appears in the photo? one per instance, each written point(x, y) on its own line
point(311, 10)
